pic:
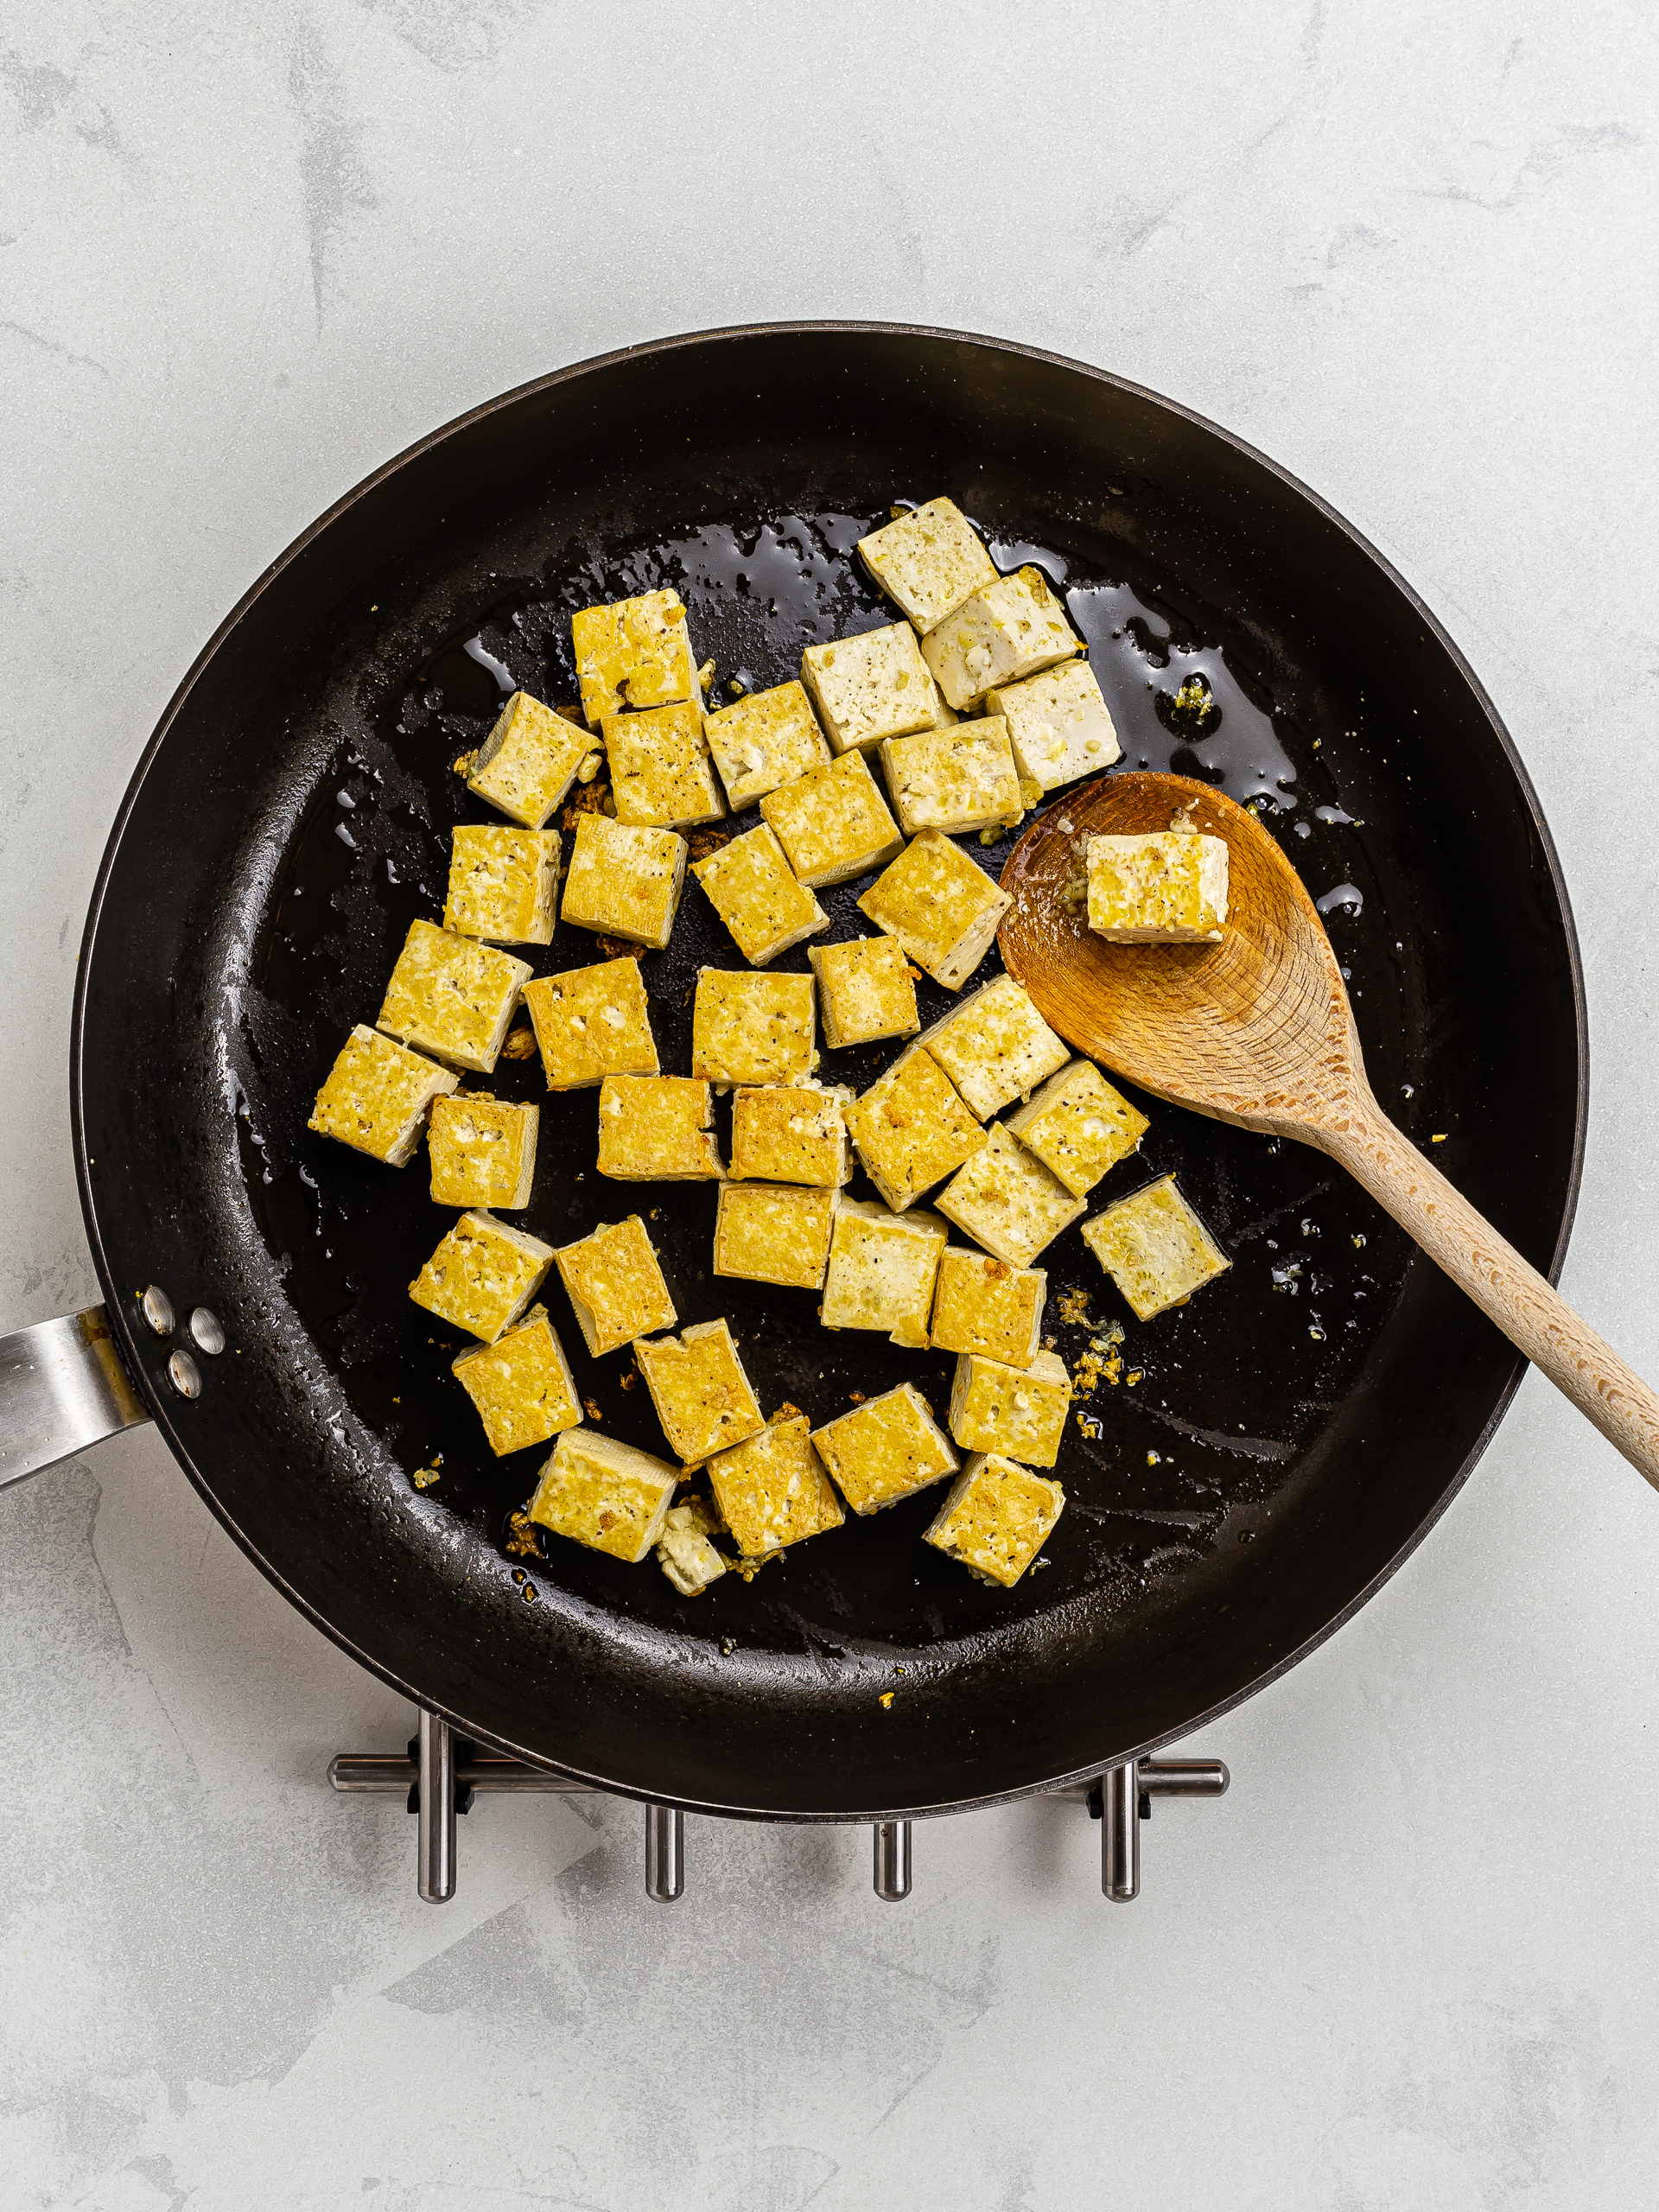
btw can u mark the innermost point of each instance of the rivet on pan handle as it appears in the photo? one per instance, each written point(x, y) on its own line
point(1126, 1794)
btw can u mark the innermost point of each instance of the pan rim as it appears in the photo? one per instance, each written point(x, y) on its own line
point(121, 1321)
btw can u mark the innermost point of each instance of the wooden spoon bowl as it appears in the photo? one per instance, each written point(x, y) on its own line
point(1257, 1029)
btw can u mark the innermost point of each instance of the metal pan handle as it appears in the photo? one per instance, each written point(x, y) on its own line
point(62, 1387)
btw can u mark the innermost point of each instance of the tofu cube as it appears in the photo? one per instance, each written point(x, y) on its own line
point(929, 561)
point(604, 1494)
point(634, 653)
point(1058, 725)
point(982, 1305)
point(996, 1517)
point(769, 1233)
point(773, 1491)
point(616, 1285)
point(662, 776)
point(683, 1551)
point(1005, 631)
point(757, 894)
point(869, 687)
point(767, 738)
point(482, 1276)
point(832, 822)
point(1078, 1126)
point(1018, 1411)
point(1154, 1248)
point(995, 1046)
point(701, 1393)
point(521, 1384)
point(592, 1022)
point(376, 1096)
point(865, 991)
point(657, 1128)
point(882, 1269)
point(886, 1450)
point(624, 881)
point(942, 909)
point(482, 1151)
point(1008, 1201)
point(503, 884)
point(792, 1133)
point(529, 760)
point(1168, 886)
point(752, 1029)
point(954, 779)
point(912, 1129)
point(453, 997)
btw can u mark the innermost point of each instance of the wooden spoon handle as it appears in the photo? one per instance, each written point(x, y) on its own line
point(1532, 1315)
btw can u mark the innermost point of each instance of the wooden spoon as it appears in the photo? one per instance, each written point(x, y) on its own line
point(1257, 1030)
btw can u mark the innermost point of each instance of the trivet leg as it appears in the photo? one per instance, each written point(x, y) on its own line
point(893, 1861)
point(436, 1809)
point(1119, 1833)
point(664, 1852)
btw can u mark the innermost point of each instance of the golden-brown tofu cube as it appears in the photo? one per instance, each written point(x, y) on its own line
point(881, 1271)
point(954, 779)
point(792, 1133)
point(983, 1305)
point(1078, 1126)
point(624, 881)
point(929, 561)
point(1168, 886)
point(521, 1384)
point(453, 997)
point(657, 1128)
point(616, 1285)
point(1004, 632)
point(886, 1449)
point(995, 1046)
point(941, 906)
point(757, 894)
point(701, 1395)
point(1008, 1201)
point(869, 687)
point(376, 1097)
point(592, 1022)
point(832, 822)
point(1154, 1248)
point(773, 1491)
point(996, 1517)
point(1058, 725)
point(752, 1029)
point(482, 1151)
point(529, 760)
point(503, 884)
point(771, 1232)
point(865, 991)
point(634, 653)
point(1019, 1411)
point(662, 776)
point(912, 1129)
point(604, 1494)
point(482, 1276)
point(765, 740)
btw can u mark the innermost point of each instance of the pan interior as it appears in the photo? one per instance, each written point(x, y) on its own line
point(1241, 1469)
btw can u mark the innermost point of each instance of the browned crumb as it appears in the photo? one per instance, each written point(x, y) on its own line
point(592, 798)
point(785, 1412)
point(749, 1568)
point(462, 763)
point(591, 1410)
point(619, 948)
point(522, 1541)
point(628, 1380)
point(1073, 1308)
point(856, 1397)
point(572, 714)
point(704, 841)
point(521, 1044)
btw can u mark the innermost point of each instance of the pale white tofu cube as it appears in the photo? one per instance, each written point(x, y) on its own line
point(954, 779)
point(869, 687)
point(1058, 725)
point(882, 1269)
point(928, 561)
point(765, 740)
point(1008, 630)
point(1154, 1248)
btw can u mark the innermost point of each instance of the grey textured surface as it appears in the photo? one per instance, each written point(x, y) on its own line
point(250, 253)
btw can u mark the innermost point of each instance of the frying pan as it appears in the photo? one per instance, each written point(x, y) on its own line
point(1265, 1457)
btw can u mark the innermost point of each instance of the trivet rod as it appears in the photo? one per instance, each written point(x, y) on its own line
point(1119, 1833)
point(1184, 1778)
point(389, 1774)
point(893, 1861)
point(664, 1852)
point(435, 1810)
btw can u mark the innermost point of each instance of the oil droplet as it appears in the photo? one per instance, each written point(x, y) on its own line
point(1341, 897)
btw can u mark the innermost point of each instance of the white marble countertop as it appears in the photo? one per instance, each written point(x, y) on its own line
point(248, 253)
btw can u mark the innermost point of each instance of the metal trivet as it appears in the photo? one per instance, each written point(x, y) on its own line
point(441, 1773)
